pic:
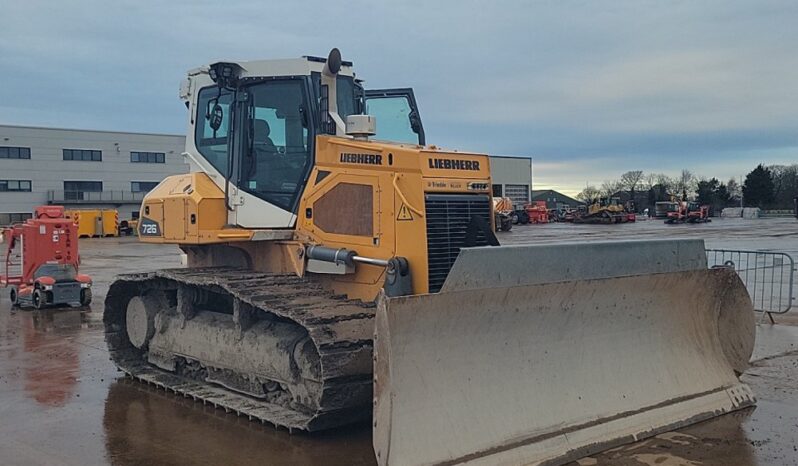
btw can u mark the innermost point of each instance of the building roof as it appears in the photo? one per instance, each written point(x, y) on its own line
point(543, 194)
point(511, 157)
point(52, 128)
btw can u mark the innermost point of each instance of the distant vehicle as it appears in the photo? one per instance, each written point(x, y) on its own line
point(537, 212)
point(503, 212)
point(44, 272)
point(662, 208)
point(605, 210)
point(129, 227)
point(690, 212)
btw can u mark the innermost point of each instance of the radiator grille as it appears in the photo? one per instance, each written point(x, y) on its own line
point(448, 216)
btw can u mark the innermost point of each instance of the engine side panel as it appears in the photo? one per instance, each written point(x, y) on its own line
point(396, 178)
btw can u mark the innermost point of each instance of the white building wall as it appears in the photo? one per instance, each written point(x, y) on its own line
point(47, 169)
point(515, 172)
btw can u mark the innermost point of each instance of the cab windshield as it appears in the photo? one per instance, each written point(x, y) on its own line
point(58, 272)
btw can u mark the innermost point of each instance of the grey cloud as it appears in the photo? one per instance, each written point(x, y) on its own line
point(650, 83)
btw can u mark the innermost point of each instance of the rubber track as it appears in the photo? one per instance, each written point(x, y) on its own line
point(342, 330)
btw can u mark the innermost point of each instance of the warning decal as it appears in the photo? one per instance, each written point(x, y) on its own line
point(404, 213)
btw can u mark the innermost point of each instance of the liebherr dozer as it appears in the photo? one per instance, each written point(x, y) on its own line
point(339, 269)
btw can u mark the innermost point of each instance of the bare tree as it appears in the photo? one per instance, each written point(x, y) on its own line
point(631, 180)
point(660, 187)
point(685, 183)
point(785, 185)
point(778, 173)
point(610, 187)
point(649, 181)
point(666, 182)
point(588, 195)
point(733, 187)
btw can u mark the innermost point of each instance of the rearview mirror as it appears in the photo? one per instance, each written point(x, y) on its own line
point(215, 117)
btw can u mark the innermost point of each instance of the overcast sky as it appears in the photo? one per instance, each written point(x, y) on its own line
point(588, 89)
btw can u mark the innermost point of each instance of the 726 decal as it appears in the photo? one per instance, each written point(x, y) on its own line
point(148, 227)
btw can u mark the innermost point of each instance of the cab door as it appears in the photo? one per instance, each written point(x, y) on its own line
point(397, 115)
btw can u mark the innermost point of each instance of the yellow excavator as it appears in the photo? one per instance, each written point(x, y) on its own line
point(340, 269)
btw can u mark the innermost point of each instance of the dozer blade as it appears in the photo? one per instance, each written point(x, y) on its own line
point(545, 354)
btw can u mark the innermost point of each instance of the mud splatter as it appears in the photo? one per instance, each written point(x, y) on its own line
point(677, 437)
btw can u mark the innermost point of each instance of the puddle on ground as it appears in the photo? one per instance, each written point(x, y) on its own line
point(149, 426)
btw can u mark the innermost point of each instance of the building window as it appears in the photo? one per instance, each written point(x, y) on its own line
point(7, 219)
point(142, 186)
point(15, 185)
point(497, 190)
point(14, 152)
point(83, 154)
point(76, 190)
point(148, 157)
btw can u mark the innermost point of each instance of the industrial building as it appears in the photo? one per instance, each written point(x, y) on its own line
point(512, 177)
point(82, 168)
point(555, 199)
point(114, 170)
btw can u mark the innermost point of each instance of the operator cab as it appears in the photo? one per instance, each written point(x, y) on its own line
point(255, 125)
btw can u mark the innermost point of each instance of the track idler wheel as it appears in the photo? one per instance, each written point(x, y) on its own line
point(140, 320)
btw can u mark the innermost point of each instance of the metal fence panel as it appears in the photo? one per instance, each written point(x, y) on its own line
point(769, 276)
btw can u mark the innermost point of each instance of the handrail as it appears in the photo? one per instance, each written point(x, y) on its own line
point(111, 196)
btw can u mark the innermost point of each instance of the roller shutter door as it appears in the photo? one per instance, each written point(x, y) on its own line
point(519, 193)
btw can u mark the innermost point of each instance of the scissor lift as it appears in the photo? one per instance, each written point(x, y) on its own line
point(41, 262)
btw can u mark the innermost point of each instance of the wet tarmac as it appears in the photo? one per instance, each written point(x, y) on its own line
point(63, 402)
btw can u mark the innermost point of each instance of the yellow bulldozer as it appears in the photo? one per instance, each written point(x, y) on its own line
point(340, 269)
point(605, 210)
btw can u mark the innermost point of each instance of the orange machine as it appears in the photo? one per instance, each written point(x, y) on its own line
point(689, 212)
point(41, 261)
point(503, 213)
point(538, 212)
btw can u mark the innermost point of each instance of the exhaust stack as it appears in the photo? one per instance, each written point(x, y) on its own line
point(329, 81)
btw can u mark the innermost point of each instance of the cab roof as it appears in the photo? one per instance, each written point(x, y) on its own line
point(303, 66)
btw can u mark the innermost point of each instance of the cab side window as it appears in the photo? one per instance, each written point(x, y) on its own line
point(212, 143)
point(397, 115)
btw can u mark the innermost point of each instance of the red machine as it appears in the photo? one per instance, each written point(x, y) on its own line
point(537, 212)
point(631, 216)
point(697, 213)
point(690, 212)
point(41, 261)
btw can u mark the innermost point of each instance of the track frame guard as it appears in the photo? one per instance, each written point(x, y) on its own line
point(584, 350)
